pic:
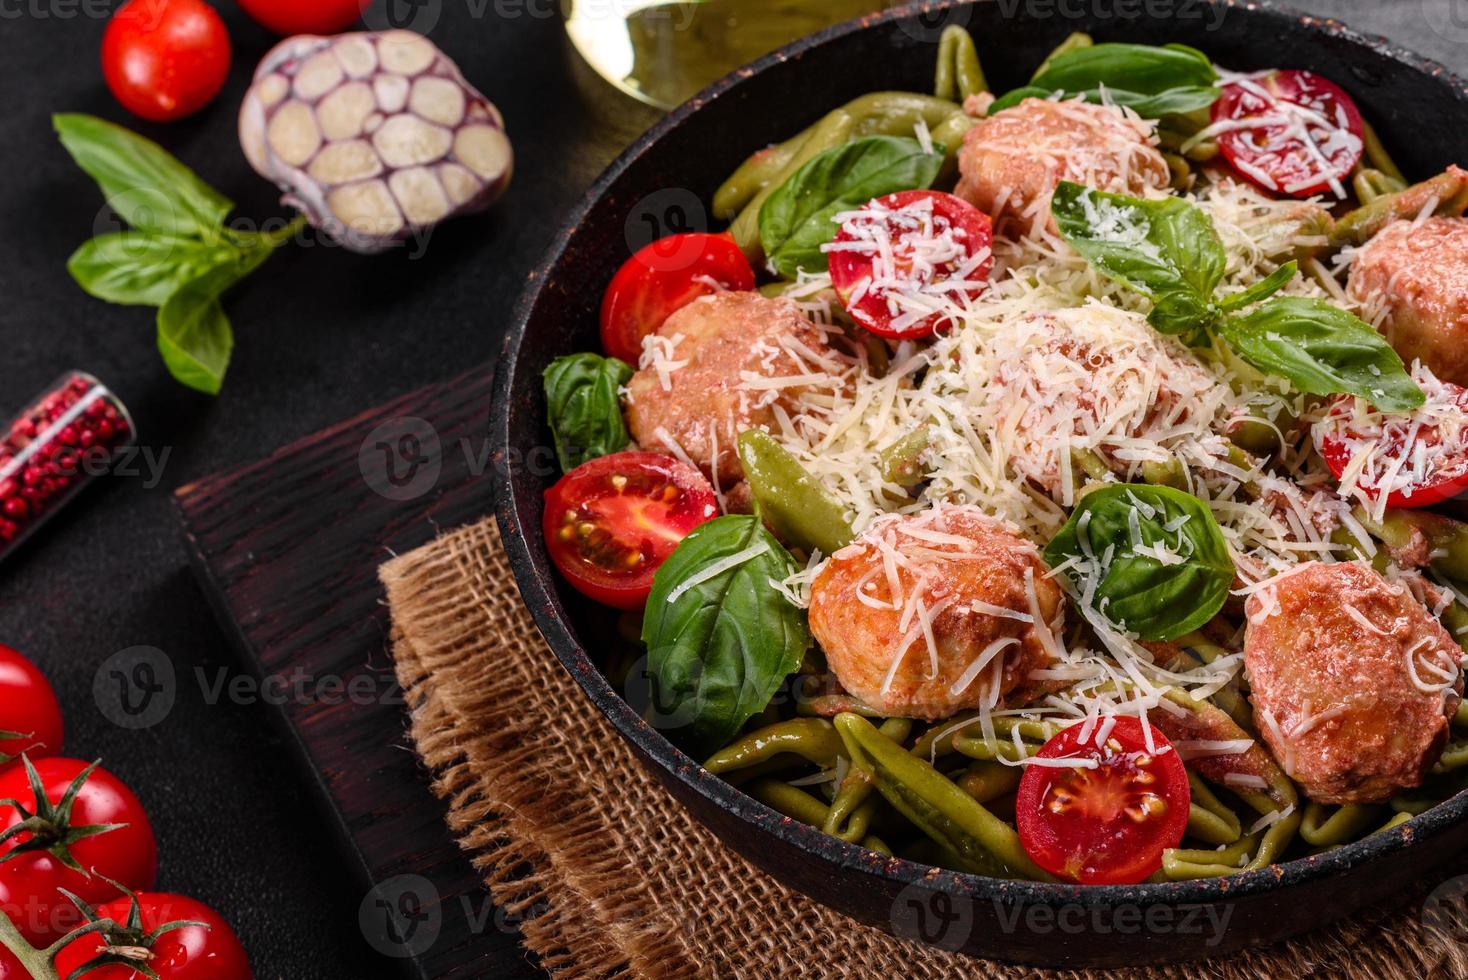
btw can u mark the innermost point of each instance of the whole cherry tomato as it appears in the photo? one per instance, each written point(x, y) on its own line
point(611, 521)
point(83, 826)
point(1106, 818)
point(662, 278)
point(30, 717)
point(207, 951)
point(305, 16)
point(165, 59)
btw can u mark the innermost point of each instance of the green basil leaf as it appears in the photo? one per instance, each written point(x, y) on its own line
point(140, 268)
point(1116, 535)
point(1261, 290)
point(1165, 249)
point(1322, 350)
point(143, 183)
point(1154, 81)
point(194, 335)
point(719, 649)
point(584, 408)
point(795, 220)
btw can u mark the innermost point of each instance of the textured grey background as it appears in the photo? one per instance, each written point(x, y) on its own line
point(322, 335)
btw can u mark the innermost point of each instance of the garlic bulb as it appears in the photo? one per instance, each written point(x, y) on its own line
point(373, 135)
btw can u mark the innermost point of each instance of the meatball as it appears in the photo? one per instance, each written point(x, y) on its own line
point(1011, 161)
point(1412, 281)
point(700, 378)
point(928, 615)
point(1353, 681)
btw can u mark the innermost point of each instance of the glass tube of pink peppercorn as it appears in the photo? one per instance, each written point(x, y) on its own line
point(68, 437)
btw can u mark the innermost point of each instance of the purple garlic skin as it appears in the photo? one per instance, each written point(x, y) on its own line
point(373, 135)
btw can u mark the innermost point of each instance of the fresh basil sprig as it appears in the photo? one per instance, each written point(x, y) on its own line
point(795, 220)
point(1154, 81)
point(1168, 251)
point(1156, 557)
point(177, 253)
point(719, 649)
point(584, 408)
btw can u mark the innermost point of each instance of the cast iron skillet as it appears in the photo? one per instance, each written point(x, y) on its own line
point(1420, 110)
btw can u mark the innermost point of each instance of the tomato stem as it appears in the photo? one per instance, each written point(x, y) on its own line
point(41, 963)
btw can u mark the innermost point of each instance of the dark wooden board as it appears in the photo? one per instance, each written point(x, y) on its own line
point(287, 550)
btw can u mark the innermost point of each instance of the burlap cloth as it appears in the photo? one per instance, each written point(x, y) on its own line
point(614, 878)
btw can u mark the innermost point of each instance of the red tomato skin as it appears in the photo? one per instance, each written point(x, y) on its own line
point(849, 268)
point(165, 59)
point(1235, 145)
point(27, 705)
point(190, 953)
point(304, 16)
point(1337, 457)
point(1041, 835)
point(660, 279)
point(29, 881)
point(695, 505)
point(10, 968)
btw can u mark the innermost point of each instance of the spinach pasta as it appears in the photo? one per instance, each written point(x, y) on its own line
point(1053, 484)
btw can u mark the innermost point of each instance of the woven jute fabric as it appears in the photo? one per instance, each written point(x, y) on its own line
point(611, 877)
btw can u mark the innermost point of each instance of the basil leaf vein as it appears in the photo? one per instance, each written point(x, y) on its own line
point(194, 334)
point(796, 219)
point(581, 392)
point(719, 651)
point(140, 268)
point(1116, 534)
point(1322, 350)
point(1154, 81)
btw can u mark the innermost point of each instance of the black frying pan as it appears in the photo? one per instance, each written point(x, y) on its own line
point(1421, 111)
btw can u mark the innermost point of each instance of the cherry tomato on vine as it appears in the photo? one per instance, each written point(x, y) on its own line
point(901, 255)
point(29, 712)
point(662, 278)
point(83, 826)
point(1290, 132)
point(207, 951)
point(611, 521)
point(10, 967)
point(1423, 455)
point(305, 16)
point(1108, 820)
point(165, 59)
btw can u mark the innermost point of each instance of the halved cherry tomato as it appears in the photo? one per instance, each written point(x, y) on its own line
point(662, 278)
point(29, 712)
point(1434, 437)
point(165, 59)
point(611, 521)
point(901, 254)
point(1107, 823)
point(1290, 132)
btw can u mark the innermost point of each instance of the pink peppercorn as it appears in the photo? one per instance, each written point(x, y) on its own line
point(67, 437)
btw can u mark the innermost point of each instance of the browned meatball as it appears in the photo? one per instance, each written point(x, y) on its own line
point(1353, 681)
point(1416, 280)
point(980, 588)
point(1011, 161)
point(701, 381)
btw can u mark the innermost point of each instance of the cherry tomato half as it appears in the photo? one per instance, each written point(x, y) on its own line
point(305, 16)
point(899, 254)
point(208, 952)
point(28, 709)
point(31, 876)
point(1434, 437)
point(165, 59)
point(662, 278)
point(1290, 132)
point(611, 521)
point(1109, 823)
